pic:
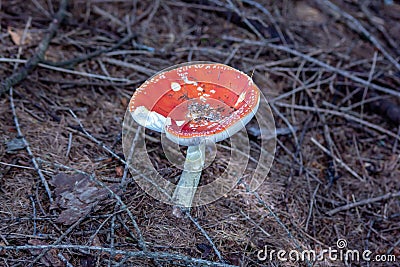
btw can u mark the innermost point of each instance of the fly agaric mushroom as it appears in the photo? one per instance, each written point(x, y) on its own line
point(194, 103)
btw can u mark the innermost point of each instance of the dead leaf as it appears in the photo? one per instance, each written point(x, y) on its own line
point(76, 195)
point(119, 171)
point(124, 101)
point(118, 257)
point(392, 163)
point(50, 258)
point(307, 13)
point(96, 242)
point(14, 145)
point(17, 34)
point(2, 252)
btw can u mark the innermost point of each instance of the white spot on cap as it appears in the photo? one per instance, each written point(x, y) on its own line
point(240, 99)
point(175, 86)
point(212, 91)
point(150, 119)
point(202, 98)
point(168, 121)
point(179, 123)
point(186, 80)
point(199, 89)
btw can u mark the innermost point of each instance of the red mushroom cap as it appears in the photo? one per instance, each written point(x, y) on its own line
point(196, 101)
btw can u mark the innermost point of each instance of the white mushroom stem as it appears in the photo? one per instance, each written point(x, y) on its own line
point(187, 186)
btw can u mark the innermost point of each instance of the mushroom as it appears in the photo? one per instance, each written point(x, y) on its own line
point(193, 104)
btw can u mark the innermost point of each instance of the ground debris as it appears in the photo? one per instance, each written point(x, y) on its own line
point(50, 258)
point(76, 195)
point(17, 36)
point(15, 144)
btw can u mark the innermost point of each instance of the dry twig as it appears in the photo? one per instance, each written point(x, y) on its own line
point(344, 165)
point(273, 214)
point(39, 55)
point(357, 26)
point(132, 254)
point(81, 73)
point(59, 239)
point(116, 196)
point(364, 202)
point(28, 149)
point(194, 221)
point(343, 115)
point(96, 53)
point(324, 65)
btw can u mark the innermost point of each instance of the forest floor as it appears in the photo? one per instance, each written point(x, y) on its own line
point(331, 74)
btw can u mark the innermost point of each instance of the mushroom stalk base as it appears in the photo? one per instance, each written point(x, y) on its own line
point(187, 186)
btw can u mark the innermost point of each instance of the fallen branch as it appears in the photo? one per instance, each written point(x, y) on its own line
point(324, 65)
point(132, 254)
point(99, 52)
point(194, 221)
point(341, 163)
point(38, 57)
point(387, 108)
point(270, 17)
point(59, 239)
point(135, 67)
point(236, 16)
point(370, 17)
point(28, 149)
point(354, 24)
point(343, 115)
point(80, 73)
point(141, 241)
point(364, 202)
